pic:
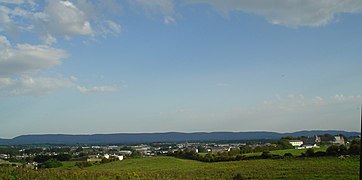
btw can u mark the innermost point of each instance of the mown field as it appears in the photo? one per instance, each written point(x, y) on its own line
point(174, 168)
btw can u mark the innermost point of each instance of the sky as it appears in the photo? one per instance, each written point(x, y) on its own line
point(108, 66)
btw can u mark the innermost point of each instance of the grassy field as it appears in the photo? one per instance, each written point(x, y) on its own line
point(173, 168)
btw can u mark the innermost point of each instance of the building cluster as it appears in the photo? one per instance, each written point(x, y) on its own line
point(95, 153)
point(315, 141)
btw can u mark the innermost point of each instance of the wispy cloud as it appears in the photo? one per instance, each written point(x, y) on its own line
point(289, 13)
point(97, 89)
point(32, 86)
point(164, 7)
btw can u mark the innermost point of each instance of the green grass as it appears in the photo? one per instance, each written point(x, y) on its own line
point(68, 164)
point(173, 168)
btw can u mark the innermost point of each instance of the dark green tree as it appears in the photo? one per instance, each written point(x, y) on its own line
point(51, 163)
point(332, 150)
point(309, 152)
point(202, 149)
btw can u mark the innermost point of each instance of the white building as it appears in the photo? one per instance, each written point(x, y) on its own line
point(338, 140)
point(296, 143)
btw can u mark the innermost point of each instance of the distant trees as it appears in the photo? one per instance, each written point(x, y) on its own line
point(334, 150)
point(284, 144)
point(245, 149)
point(136, 153)
point(201, 149)
point(355, 147)
point(309, 152)
point(41, 158)
point(60, 157)
point(51, 163)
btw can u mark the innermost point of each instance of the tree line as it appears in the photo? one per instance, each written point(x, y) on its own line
point(237, 154)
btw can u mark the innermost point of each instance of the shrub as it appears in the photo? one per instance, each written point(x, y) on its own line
point(319, 153)
point(41, 158)
point(343, 150)
point(332, 150)
point(266, 155)
point(52, 163)
point(62, 157)
point(354, 149)
point(309, 152)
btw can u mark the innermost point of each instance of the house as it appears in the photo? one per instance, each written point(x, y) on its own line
point(106, 156)
point(93, 158)
point(296, 143)
point(4, 156)
point(312, 140)
point(338, 140)
point(125, 152)
point(308, 146)
point(120, 157)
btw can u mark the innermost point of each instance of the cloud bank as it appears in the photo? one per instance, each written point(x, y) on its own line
point(294, 13)
point(21, 63)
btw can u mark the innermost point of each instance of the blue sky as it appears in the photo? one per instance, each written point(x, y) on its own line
point(91, 66)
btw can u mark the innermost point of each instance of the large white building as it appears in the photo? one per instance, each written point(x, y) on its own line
point(296, 143)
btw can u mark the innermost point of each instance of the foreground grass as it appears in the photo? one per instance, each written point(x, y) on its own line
point(174, 168)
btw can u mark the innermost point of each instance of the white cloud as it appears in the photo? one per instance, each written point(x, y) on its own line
point(62, 18)
point(169, 20)
point(292, 13)
point(97, 89)
point(49, 39)
point(156, 6)
point(32, 86)
point(12, 1)
point(20, 63)
point(163, 7)
point(114, 26)
point(6, 23)
point(24, 58)
point(347, 98)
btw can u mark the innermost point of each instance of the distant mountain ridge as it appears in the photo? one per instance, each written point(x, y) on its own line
point(132, 138)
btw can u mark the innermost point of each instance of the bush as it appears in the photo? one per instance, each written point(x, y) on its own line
point(309, 152)
point(342, 150)
point(62, 157)
point(319, 153)
point(52, 163)
point(332, 150)
point(266, 155)
point(288, 155)
point(41, 158)
point(355, 147)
